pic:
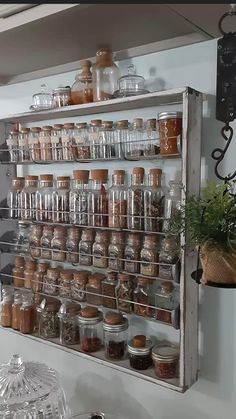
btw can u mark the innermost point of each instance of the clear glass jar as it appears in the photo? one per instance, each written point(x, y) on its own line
point(6, 309)
point(170, 130)
point(166, 361)
point(34, 144)
point(82, 88)
point(149, 257)
point(124, 291)
point(35, 235)
point(27, 198)
point(151, 139)
point(30, 267)
point(48, 319)
point(98, 199)
point(15, 322)
point(23, 141)
point(14, 197)
point(50, 281)
point(169, 259)
point(100, 250)
point(56, 142)
point(172, 204)
point(116, 251)
point(13, 146)
point(78, 200)
point(115, 327)
point(37, 301)
point(135, 147)
point(165, 299)
point(45, 242)
point(117, 200)
point(64, 283)
point(132, 253)
point(43, 99)
point(72, 245)
point(122, 134)
point(91, 331)
point(142, 295)
point(107, 140)
point(82, 146)
point(136, 200)
point(67, 137)
point(94, 138)
point(60, 200)
point(38, 280)
point(58, 244)
point(43, 198)
point(61, 96)
point(94, 289)
point(27, 314)
point(86, 247)
point(109, 285)
point(105, 76)
point(21, 239)
point(78, 285)
point(69, 323)
point(45, 143)
point(139, 350)
point(18, 272)
point(153, 201)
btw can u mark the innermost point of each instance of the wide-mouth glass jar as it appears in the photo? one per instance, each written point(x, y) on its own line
point(69, 323)
point(61, 96)
point(48, 318)
point(115, 327)
point(139, 350)
point(170, 130)
point(91, 332)
point(166, 360)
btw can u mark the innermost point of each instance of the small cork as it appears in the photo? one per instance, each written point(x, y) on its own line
point(151, 124)
point(69, 125)
point(120, 173)
point(107, 124)
point(139, 341)
point(138, 123)
point(124, 277)
point(96, 122)
point(155, 172)
point(81, 276)
point(87, 235)
point(63, 178)
point(138, 171)
point(48, 229)
point(47, 128)
point(46, 178)
point(73, 309)
point(73, 231)
point(30, 265)
point(99, 174)
point(85, 64)
point(60, 231)
point(53, 273)
point(82, 125)
point(123, 124)
point(89, 312)
point(167, 287)
point(35, 178)
point(67, 275)
point(19, 261)
point(42, 267)
point(113, 318)
point(81, 175)
point(53, 306)
point(35, 129)
point(57, 126)
point(143, 281)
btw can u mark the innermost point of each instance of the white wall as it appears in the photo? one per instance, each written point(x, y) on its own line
point(90, 386)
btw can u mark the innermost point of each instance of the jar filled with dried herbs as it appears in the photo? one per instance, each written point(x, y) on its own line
point(72, 245)
point(116, 251)
point(94, 289)
point(58, 244)
point(115, 327)
point(124, 292)
point(91, 331)
point(60, 200)
point(142, 297)
point(78, 201)
point(109, 285)
point(45, 242)
point(117, 198)
point(153, 201)
point(68, 132)
point(69, 323)
point(169, 258)
point(149, 256)
point(97, 199)
point(100, 250)
point(136, 200)
point(132, 253)
point(86, 248)
point(78, 285)
point(82, 145)
point(50, 281)
point(64, 283)
point(48, 319)
point(35, 235)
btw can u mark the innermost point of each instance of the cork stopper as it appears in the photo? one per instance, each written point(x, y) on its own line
point(57, 126)
point(107, 124)
point(138, 171)
point(73, 309)
point(34, 178)
point(35, 129)
point(104, 57)
point(24, 130)
point(113, 318)
point(112, 276)
point(134, 237)
point(63, 182)
point(150, 239)
point(18, 182)
point(85, 64)
point(167, 287)
point(87, 235)
point(155, 173)
point(52, 305)
point(139, 341)
point(42, 267)
point(66, 275)
point(69, 125)
point(60, 231)
point(82, 175)
point(119, 174)
point(53, 273)
point(47, 128)
point(73, 232)
point(124, 277)
point(30, 265)
point(100, 175)
point(96, 122)
point(19, 261)
point(89, 312)
point(143, 281)
point(151, 124)
point(138, 123)
point(96, 279)
point(63, 178)
point(81, 276)
point(123, 124)
point(47, 178)
point(48, 229)
point(82, 125)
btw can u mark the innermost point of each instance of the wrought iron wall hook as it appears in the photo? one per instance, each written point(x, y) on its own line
point(218, 154)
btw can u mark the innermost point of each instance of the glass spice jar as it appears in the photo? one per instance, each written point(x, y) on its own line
point(172, 204)
point(91, 331)
point(45, 143)
point(78, 285)
point(165, 299)
point(61, 96)
point(117, 201)
point(56, 142)
point(58, 244)
point(50, 281)
point(139, 350)
point(15, 322)
point(43, 198)
point(13, 145)
point(23, 141)
point(68, 132)
point(153, 201)
point(135, 203)
point(69, 323)
point(37, 301)
point(38, 279)
point(151, 139)
point(105, 76)
point(122, 133)
point(21, 239)
point(166, 361)
point(14, 197)
point(109, 285)
point(85, 248)
point(94, 289)
point(82, 146)
point(169, 258)
point(64, 283)
point(132, 253)
point(100, 250)
point(30, 267)
point(94, 138)
point(6, 309)
point(82, 88)
point(115, 327)
point(60, 200)
point(170, 130)
point(107, 140)
point(35, 235)
point(34, 144)
point(27, 314)
point(48, 319)
point(116, 251)
point(78, 200)
point(27, 198)
point(149, 257)
point(45, 242)
point(97, 199)
point(142, 297)
point(124, 292)
point(18, 272)
point(135, 147)
point(72, 245)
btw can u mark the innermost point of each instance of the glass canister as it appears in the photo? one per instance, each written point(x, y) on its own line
point(18, 272)
point(27, 314)
point(117, 201)
point(35, 235)
point(135, 201)
point(151, 139)
point(48, 318)
point(94, 288)
point(166, 361)
point(124, 292)
point(82, 88)
point(91, 331)
point(142, 297)
point(165, 299)
point(45, 143)
point(43, 198)
point(105, 76)
point(172, 203)
point(38, 280)
point(21, 239)
point(86, 248)
point(116, 251)
point(115, 327)
point(23, 141)
point(14, 197)
point(135, 147)
point(170, 130)
point(58, 244)
point(109, 285)
point(13, 145)
point(67, 137)
point(30, 267)
point(56, 142)
point(69, 323)
point(64, 283)
point(140, 352)
point(34, 144)
point(132, 253)
point(78, 285)
point(60, 200)
point(82, 145)
point(98, 199)
point(153, 201)
point(45, 242)
point(169, 258)
point(50, 281)
point(61, 96)
point(27, 198)
point(72, 245)
point(6, 309)
point(94, 138)
point(78, 199)
point(149, 256)
point(107, 140)
point(15, 322)
point(100, 250)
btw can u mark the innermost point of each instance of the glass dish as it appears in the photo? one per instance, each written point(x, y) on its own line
point(42, 100)
point(131, 84)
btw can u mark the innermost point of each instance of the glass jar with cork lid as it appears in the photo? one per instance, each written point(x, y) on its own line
point(109, 285)
point(78, 199)
point(86, 248)
point(115, 327)
point(56, 142)
point(30, 267)
point(149, 256)
point(117, 198)
point(94, 288)
point(64, 283)
point(151, 139)
point(69, 323)
point(153, 201)
point(6, 308)
point(135, 147)
point(100, 249)
point(94, 138)
point(38, 280)
point(58, 244)
point(68, 132)
point(27, 197)
point(45, 143)
point(105, 76)
point(78, 285)
point(60, 200)
point(140, 352)
point(43, 198)
point(91, 331)
point(136, 200)
point(18, 272)
point(82, 146)
point(72, 245)
point(124, 292)
point(50, 281)
point(98, 199)
point(116, 251)
point(142, 297)
point(132, 253)
point(48, 318)
point(45, 242)
point(82, 88)
point(34, 144)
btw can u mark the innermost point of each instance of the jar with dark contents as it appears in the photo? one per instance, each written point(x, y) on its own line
point(151, 139)
point(48, 319)
point(140, 353)
point(45, 242)
point(38, 279)
point(35, 235)
point(18, 272)
point(43, 198)
point(16, 306)
point(94, 289)
point(60, 200)
point(56, 142)
point(91, 330)
point(169, 259)
point(64, 283)
point(136, 200)
point(116, 251)
point(72, 245)
point(124, 292)
point(27, 314)
point(82, 147)
point(69, 323)
point(166, 361)
point(115, 327)
point(153, 201)
point(165, 301)
point(30, 267)
point(117, 197)
point(68, 141)
point(58, 244)
point(132, 253)
point(79, 198)
point(45, 143)
point(78, 285)
point(50, 281)
point(170, 130)
point(86, 248)
point(109, 285)
point(100, 250)
point(97, 199)
point(149, 256)
point(142, 297)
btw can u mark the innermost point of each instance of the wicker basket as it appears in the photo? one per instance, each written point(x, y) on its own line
point(218, 266)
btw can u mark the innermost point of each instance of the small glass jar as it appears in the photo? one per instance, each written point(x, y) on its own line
point(69, 323)
point(43, 198)
point(67, 137)
point(34, 144)
point(132, 253)
point(72, 245)
point(115, 327)
point(78, 285)
point(124, 292)
point(37, 301)
point(166, 361)
point(142, 298)
point(82, 146)
point(135, 147)
point(109, 285)
point(116, 251)
point(27, 198)
point(165, 299)
point(91, 331)
point(6, 309)
point(122, 137)
point(82, 88)
point(21, 239)
point(18, 272)
point(94, 138)
point(37, 283)
point(30, 267)
point(105, 76)
point(151, 139)
point(86, 248)
point(14, 197)
point(78, 200)
point(48, 319)
point(107, 140)
point(170, 130)
point(16, 306)
point(58, 244)
point(172, 204)
point(56, 142)
point(117, 201)
point(50, 281)
point(94, 289)
point(35, 235)
point(23, 141)
point(135, 203)
point(153, 201)
point(149, 257)
point(13, 145)
point(27, 314)
point(45, 242)
point(98, 199)
point(45, 143)
point(61, 96)
point(139, 350)
point(100, 250)
point(64, 283)
point(60, 200)
point(131, 84)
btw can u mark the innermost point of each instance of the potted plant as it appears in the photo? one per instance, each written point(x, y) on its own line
point(209, 221)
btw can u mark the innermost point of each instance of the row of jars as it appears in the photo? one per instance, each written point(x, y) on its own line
point(122, 291)
point(90, 202)
point(97, 140)
point(87, 327)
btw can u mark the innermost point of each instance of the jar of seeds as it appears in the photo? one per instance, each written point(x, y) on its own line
point(50, 281)
point(48, 318)
point(69, 323)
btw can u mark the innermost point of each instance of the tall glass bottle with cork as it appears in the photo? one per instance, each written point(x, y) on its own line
point(43, 198)
point(136, 200)
point(105, 76)
point(97, 199)
point(117, 207)
point(27, 197)
point(79, 198)
point(60, 200)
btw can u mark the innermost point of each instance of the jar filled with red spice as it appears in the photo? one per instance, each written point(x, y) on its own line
point(91, 331)
point(166, 361)
point(170, 130)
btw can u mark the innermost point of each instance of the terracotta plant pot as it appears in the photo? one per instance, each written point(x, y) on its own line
point(218, 265)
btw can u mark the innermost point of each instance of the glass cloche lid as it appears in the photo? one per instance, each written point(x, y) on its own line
point(131, 84)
